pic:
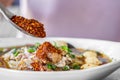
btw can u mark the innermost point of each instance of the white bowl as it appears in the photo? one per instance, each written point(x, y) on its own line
point(112, 49)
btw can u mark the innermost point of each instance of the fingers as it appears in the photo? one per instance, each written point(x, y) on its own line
point(6, 3)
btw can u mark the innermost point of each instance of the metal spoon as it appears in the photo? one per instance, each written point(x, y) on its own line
point(8, 15)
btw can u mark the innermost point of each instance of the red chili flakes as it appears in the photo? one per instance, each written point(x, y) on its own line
point(37, 66)
point(31, 26)
point(47, 52)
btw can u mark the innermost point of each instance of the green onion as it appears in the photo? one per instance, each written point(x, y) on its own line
point(69, 50)
point(72, 56)
point(65, 48)
point(31, 49)
point(76, 67)
point(51, 66)
point(65, 68)
point(15, 52)
point(37, 45)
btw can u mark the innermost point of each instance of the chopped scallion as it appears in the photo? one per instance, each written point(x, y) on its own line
point(31, 49)
point(37, 45)
point(65, 68)
point(51, 66)
point(76, 67)
point(15, 52)
point(65, 48)
point(72, 55)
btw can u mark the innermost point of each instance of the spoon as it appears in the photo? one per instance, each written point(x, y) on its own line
point(8, 15)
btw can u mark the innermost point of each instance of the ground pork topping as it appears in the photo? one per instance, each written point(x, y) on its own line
point(47, 52)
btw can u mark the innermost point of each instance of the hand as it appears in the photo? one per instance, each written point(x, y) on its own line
point(6, 3)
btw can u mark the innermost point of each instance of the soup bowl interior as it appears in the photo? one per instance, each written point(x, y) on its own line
point(107, 47)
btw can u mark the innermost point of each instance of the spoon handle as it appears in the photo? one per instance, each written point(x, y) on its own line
point(5, 11)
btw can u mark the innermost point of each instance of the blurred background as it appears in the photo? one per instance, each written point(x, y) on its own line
point(96, 19)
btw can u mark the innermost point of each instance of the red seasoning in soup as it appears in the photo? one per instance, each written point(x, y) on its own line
point(49, 56)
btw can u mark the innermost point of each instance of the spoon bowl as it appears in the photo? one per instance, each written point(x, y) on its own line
point(8, 15)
